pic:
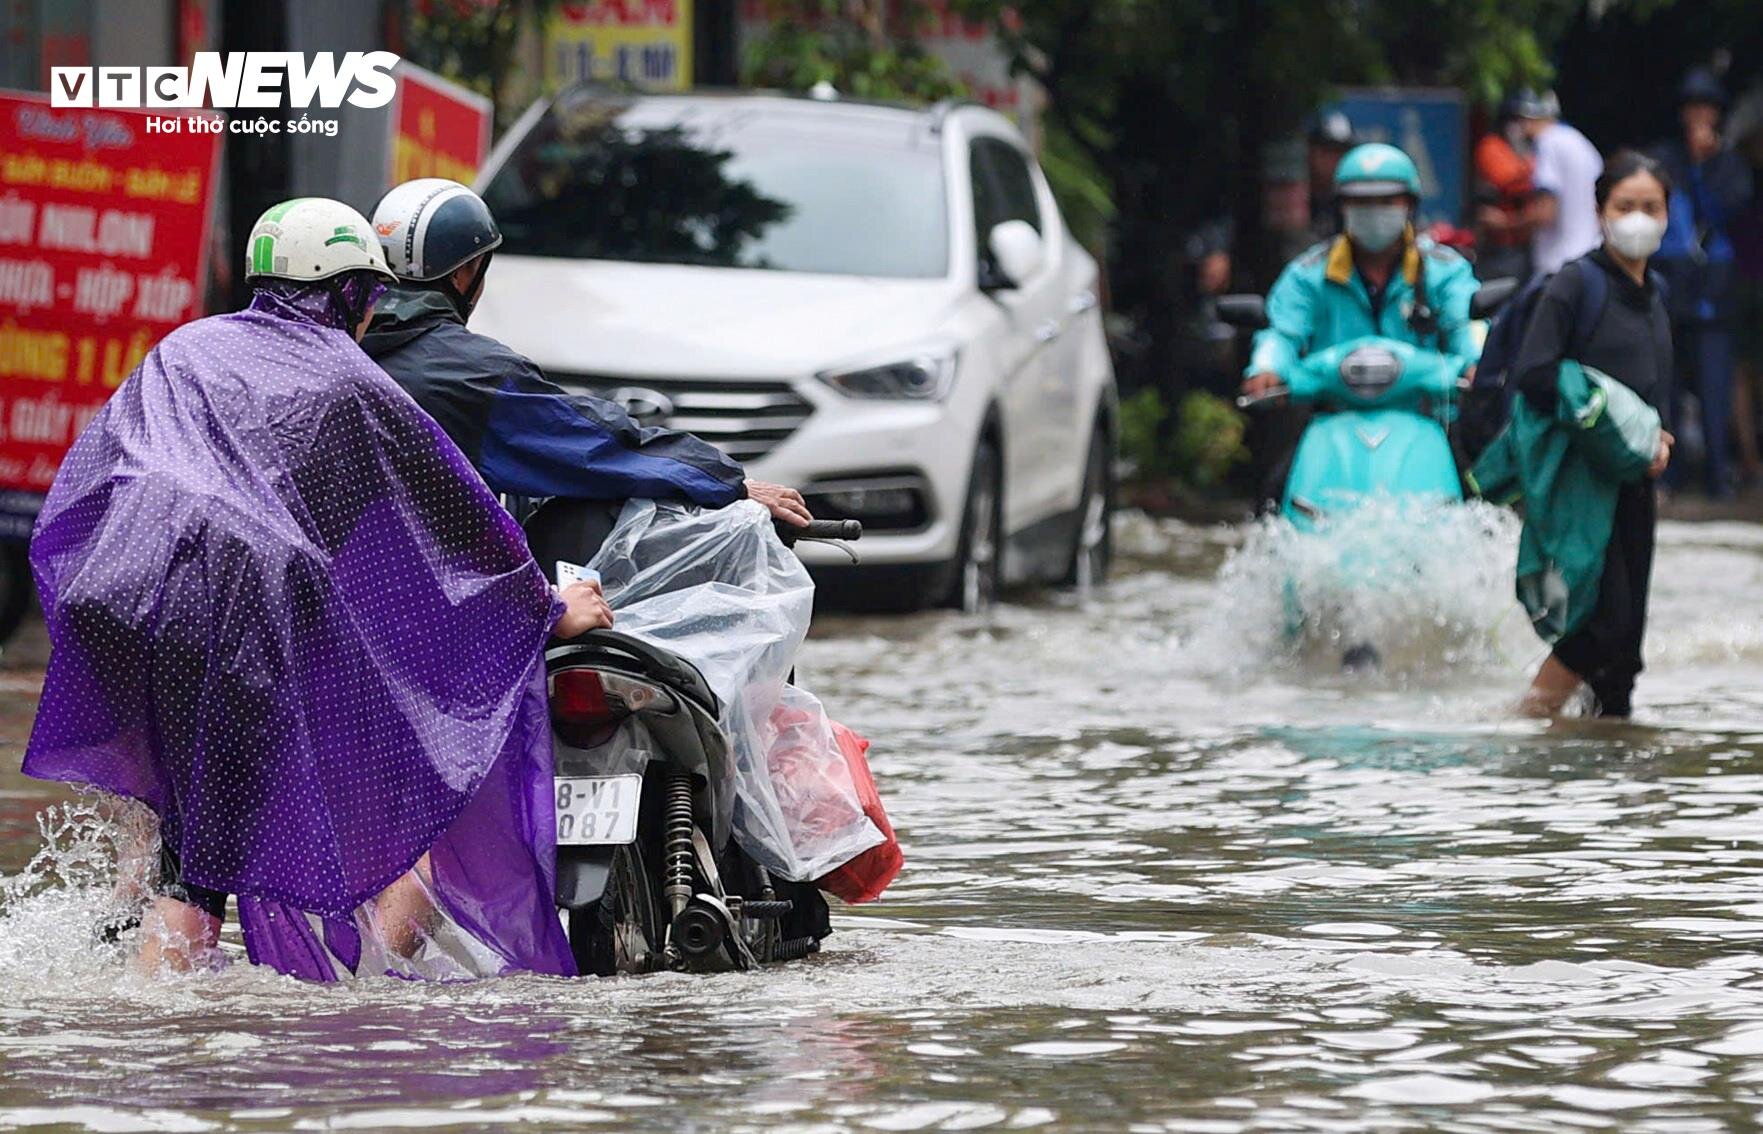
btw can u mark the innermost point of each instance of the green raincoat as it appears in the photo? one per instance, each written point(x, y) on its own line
point(1566, 469)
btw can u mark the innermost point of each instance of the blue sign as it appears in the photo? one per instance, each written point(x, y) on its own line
point(1428, 124)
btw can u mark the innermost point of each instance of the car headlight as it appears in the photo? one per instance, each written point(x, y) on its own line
point(923, 376)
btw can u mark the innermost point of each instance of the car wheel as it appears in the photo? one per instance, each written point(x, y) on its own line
point(1092, 546)
point(979, 555)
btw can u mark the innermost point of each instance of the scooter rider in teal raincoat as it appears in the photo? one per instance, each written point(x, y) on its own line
point(1379, 278)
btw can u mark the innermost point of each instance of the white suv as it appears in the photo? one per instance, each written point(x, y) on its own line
point(880, 306)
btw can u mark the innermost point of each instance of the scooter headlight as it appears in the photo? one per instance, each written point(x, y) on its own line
point(1370, 370)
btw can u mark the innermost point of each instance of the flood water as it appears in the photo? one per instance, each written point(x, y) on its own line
point(1161, 876)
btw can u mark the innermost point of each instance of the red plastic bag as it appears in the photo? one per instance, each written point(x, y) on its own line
point(865, 877)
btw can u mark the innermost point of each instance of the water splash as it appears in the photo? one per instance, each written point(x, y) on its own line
point(91, 873)
point(1428, 588)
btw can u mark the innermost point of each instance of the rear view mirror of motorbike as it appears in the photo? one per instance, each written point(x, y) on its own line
point(1491, 296)
point(1246, 311)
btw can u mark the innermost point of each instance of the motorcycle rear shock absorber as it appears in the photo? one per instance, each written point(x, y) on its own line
point(676, 858)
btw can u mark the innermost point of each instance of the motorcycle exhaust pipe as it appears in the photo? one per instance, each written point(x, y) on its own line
point(698, 931)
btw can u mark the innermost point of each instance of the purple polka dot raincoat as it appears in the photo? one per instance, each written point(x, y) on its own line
point(289, 617)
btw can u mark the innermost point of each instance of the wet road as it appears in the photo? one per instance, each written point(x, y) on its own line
point(1161, 877)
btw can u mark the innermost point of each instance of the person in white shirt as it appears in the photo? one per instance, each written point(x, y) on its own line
point(1567, 168)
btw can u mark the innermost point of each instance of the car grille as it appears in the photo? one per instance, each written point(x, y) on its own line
point(746, 420)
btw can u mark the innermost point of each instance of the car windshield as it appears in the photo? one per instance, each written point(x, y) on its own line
point(729, 191)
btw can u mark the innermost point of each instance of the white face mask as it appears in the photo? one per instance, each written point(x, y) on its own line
point(1635, 235)
point(1375, 227)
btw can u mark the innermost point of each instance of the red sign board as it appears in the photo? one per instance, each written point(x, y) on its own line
point(439, 129)
point(103, 230)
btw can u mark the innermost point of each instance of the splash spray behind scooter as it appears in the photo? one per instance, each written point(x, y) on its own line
point(1408, 587)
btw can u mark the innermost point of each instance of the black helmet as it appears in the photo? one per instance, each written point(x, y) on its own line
point(431, 226)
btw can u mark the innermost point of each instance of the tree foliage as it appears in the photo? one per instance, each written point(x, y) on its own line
point(475, 43)
point(866, 49)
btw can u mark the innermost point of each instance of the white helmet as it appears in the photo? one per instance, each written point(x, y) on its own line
point(312, 238)
point(432, 226)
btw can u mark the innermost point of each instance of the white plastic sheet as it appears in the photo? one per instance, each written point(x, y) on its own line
point(719, 589)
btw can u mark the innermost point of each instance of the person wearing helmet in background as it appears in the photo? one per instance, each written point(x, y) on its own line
point(526, 435)
point(1378, 278)
point(1563, 214)
point(1698, 261)
point(289, 619)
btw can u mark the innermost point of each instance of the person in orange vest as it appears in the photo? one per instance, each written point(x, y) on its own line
point(1504, 163)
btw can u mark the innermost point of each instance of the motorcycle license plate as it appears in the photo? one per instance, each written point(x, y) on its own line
point(597, 810)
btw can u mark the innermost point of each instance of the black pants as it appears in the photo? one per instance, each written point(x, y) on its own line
point(1606, 651)
point(172, 885)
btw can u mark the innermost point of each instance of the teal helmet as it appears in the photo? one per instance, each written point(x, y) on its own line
point(1376, 169)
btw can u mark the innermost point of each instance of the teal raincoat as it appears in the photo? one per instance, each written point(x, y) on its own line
point(1566, 469)
point(1320, 301)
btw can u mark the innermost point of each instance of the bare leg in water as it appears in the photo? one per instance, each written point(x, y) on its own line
point(175, 936)
point(178, 937)
point(1551, 689)
point(405, 911)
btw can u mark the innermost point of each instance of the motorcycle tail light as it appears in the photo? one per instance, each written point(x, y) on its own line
point(581, 713)
point(587, 705)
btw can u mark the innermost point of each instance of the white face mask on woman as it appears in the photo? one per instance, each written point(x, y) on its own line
point(1375, 227)
point(1634, 235)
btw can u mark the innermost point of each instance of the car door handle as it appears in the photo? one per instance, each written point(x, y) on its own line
point(1048, 331)
point(1083, 301)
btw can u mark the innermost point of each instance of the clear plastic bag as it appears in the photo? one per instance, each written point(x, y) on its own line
point(811, 780)
point(719, 589)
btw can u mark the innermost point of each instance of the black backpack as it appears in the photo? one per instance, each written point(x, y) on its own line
point(1486, 406)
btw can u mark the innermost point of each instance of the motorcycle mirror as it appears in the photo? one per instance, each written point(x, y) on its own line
point(1246, 311)
point(1491, 296)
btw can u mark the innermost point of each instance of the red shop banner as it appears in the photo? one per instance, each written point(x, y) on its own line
point(439, 128)
point(103, 231)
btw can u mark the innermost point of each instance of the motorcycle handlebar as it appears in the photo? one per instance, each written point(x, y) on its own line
point(1252, 401)
point(820, 530)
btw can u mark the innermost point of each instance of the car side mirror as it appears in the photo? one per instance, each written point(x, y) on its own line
point(1017, 252)
point(1246, 311)
point(1491, 296)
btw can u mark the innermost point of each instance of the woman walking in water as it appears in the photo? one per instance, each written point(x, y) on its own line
point(1595, 374)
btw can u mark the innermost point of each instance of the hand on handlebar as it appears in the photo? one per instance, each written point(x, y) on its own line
point(1263, 385)
point(585, 609)
point(785, 504)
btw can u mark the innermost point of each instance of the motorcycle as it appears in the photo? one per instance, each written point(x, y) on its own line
point(649, 877)
point(1385, 407)
point(1379, 433)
